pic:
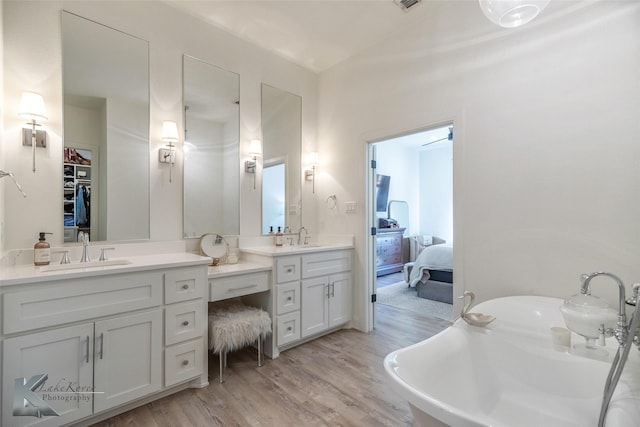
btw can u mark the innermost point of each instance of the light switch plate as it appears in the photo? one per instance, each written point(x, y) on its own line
point(350, 207)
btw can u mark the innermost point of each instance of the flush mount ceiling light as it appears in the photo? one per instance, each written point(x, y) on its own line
point(512, 13)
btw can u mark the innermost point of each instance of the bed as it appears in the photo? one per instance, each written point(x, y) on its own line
point(432, 273)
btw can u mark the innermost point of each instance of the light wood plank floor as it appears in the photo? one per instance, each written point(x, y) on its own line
point(336, 380)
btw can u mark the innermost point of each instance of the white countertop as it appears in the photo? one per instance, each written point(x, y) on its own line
point(295, 249)
point(22, 274)
point(224, 270)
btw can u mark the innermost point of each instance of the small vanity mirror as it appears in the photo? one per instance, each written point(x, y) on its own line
point(211, 149)
point(282, 172)
point(214, 246)
point(105, 181)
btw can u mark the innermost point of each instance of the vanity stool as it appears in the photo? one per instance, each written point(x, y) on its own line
point(233, 325)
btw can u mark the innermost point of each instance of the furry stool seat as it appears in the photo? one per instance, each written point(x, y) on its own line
point(233, 325)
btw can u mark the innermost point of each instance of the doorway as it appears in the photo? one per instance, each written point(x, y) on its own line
point(412, 209)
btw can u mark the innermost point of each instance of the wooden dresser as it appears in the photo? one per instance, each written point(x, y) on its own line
point(389, 250)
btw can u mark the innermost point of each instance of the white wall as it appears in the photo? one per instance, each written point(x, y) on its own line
point(32, 62)
point(3, 182)
point(546, 177)
point(436, 191)
point(402, 165)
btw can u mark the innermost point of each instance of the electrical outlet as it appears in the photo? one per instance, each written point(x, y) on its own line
point(166, 155)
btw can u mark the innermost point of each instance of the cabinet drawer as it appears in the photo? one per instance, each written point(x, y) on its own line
point(184, 321)
point(235, 286)
point(184, 284)
point(288, 328)
point(324, 263)
point(388, 240)
point(80, 299)
point(287, 297)
point(287, 269)
point(183, 362)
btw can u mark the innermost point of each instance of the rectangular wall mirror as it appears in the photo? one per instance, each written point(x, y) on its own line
point(211, 149)
point(105, 182)
point(282, 170)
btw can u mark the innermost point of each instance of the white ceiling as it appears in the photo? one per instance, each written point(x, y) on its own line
point(316, 34)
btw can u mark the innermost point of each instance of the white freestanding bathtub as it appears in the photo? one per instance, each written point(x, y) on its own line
point(508, 374)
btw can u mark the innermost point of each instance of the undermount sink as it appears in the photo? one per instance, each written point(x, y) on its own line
point(81, 265)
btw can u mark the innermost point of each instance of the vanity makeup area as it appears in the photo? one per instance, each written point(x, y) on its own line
point(82, 342)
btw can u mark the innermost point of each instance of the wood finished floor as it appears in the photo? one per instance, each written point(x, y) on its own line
point(336, 380)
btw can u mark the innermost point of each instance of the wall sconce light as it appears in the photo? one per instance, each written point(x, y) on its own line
point(170, 136)
point(310, 174)
point(32, 108)
point(512, 13)
point(255, 150)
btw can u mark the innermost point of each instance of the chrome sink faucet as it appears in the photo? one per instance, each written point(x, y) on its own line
point(84, 238)
point(306, 236)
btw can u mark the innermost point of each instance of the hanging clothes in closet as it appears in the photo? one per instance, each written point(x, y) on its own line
point(82, 205)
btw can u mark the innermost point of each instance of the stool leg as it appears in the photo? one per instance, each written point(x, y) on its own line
point(223, 365)
point(260, 355)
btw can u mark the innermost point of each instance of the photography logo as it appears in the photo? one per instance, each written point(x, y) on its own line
point(26, 403)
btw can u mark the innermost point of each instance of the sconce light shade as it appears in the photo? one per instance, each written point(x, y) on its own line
point(170, 131)
point(313, 158)
point(512, 13)
point(32, 107)
point(255, 147)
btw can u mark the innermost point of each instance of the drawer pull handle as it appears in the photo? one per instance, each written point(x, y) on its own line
point(185, 323)
point(185, 362)
point(87, 348)
point(289, 298)
point(242, 288)
point(289, 328)
point(289, 270)
point(185, 286)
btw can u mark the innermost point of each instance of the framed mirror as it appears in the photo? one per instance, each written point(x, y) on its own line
point(211, 149)
point(105, 181)
point(281, 153)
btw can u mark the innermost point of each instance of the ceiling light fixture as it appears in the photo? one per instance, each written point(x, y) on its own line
point(512, 13)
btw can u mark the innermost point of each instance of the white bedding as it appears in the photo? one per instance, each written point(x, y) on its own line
point(436, 257)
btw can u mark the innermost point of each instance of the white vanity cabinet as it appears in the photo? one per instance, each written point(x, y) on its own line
point(311, 295)
point(326, 291)
point(287, 290)
point(185, 333)
point(326, 303)
point(102, 342)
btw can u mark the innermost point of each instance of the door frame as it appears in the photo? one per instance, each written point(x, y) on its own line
point(370, 217)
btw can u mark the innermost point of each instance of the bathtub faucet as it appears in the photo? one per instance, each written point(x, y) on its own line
point(621, 332)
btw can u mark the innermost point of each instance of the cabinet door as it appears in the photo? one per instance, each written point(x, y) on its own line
point(315, 307)
point(339, 299)
point(128, 351)
point(65, 356)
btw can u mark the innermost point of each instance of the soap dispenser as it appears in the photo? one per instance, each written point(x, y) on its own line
point(42, 251)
